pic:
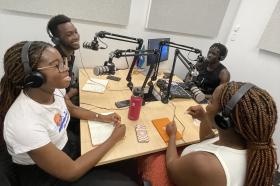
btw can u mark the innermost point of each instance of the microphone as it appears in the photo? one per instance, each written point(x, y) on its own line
point(200, 62)
point(200, 59)
point(194, 73)
point(107, 68)
point(197, 94)
point(92, 45)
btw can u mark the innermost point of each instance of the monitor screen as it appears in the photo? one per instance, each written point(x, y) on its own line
point(154, 44)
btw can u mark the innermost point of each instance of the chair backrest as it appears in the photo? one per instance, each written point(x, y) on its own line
point(2, 142)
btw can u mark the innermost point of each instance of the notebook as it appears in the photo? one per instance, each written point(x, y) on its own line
point(95, 85)
point(99, 131)
point(160, 125)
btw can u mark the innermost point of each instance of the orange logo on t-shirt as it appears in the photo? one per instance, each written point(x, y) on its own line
point(57, 119)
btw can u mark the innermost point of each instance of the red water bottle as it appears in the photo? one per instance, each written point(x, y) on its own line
point(135, 104)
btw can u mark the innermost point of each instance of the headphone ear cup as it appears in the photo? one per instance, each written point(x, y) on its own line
point(223, 122)
point(222, 58)
point(55, 40)
point(225, 55)
point(35, 79)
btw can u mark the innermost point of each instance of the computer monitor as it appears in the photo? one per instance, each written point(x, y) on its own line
point(154, 44)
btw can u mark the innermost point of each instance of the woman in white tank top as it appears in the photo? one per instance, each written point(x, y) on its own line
point(243, 152)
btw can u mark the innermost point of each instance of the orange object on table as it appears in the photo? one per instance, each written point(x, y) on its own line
point(160, 125)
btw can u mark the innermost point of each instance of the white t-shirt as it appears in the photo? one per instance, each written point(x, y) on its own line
point(233, 161)
point(29, 125)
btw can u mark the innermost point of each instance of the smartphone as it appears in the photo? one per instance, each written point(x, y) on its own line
point(166, 75)
point(141, 133)
point(123, 103)
point(115, 78)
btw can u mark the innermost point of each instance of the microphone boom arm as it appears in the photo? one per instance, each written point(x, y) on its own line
point(137, 53)
point(185, 62)
point(139, 41)
point(173, 45)
point(104, 34)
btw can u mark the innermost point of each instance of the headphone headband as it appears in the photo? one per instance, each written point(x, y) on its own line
point(235, 98)
point(223, 119)
point(32, 78)
point(25, 57)
point(54, 39)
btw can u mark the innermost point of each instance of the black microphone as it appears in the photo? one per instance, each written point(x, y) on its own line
point(92, 45)
point(107, 68)
point(201, 59)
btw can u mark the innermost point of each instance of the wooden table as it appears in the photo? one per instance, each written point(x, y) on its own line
point(129, 146)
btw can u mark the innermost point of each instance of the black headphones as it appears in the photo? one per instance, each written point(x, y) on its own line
point(223, 119)
point(32, 79)
point(222, 57)
point(55, 40)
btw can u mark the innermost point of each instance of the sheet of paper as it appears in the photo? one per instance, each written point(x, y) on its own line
point(99, 131)
point(96, 85)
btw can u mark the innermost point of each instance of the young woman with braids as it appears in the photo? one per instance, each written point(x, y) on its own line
point(37, 118)
point(242, 154)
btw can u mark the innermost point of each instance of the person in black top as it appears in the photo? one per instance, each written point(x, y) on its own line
point(211, 72)
point(66, 39)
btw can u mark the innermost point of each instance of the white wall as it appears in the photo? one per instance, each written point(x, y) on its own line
point(245, 60)
point(17, 26)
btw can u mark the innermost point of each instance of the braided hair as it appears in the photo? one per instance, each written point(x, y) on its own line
point(12, 81)
point(255, 117)
point(222, 50)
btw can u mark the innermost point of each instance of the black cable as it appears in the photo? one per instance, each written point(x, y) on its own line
point(105, 44)
point(175, 117)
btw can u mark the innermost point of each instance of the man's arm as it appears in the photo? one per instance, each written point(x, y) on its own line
point(72, 92)
point(224, 76)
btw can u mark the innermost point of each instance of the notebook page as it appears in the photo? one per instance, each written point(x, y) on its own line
point(95, 85)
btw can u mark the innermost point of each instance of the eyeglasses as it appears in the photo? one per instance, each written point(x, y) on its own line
point(61, 66)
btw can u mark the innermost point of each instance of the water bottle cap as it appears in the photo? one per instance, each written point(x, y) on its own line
point(137, 91)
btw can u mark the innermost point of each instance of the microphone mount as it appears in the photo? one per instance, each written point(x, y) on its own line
point(173, 45)
point(136, 53)
point(191, 68)
point(108, 35)
point(138, 41)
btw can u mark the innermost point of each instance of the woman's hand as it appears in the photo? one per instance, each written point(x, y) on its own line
point(197, 112)
point(112, 118)
point(118, 133)
point(171, 129)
